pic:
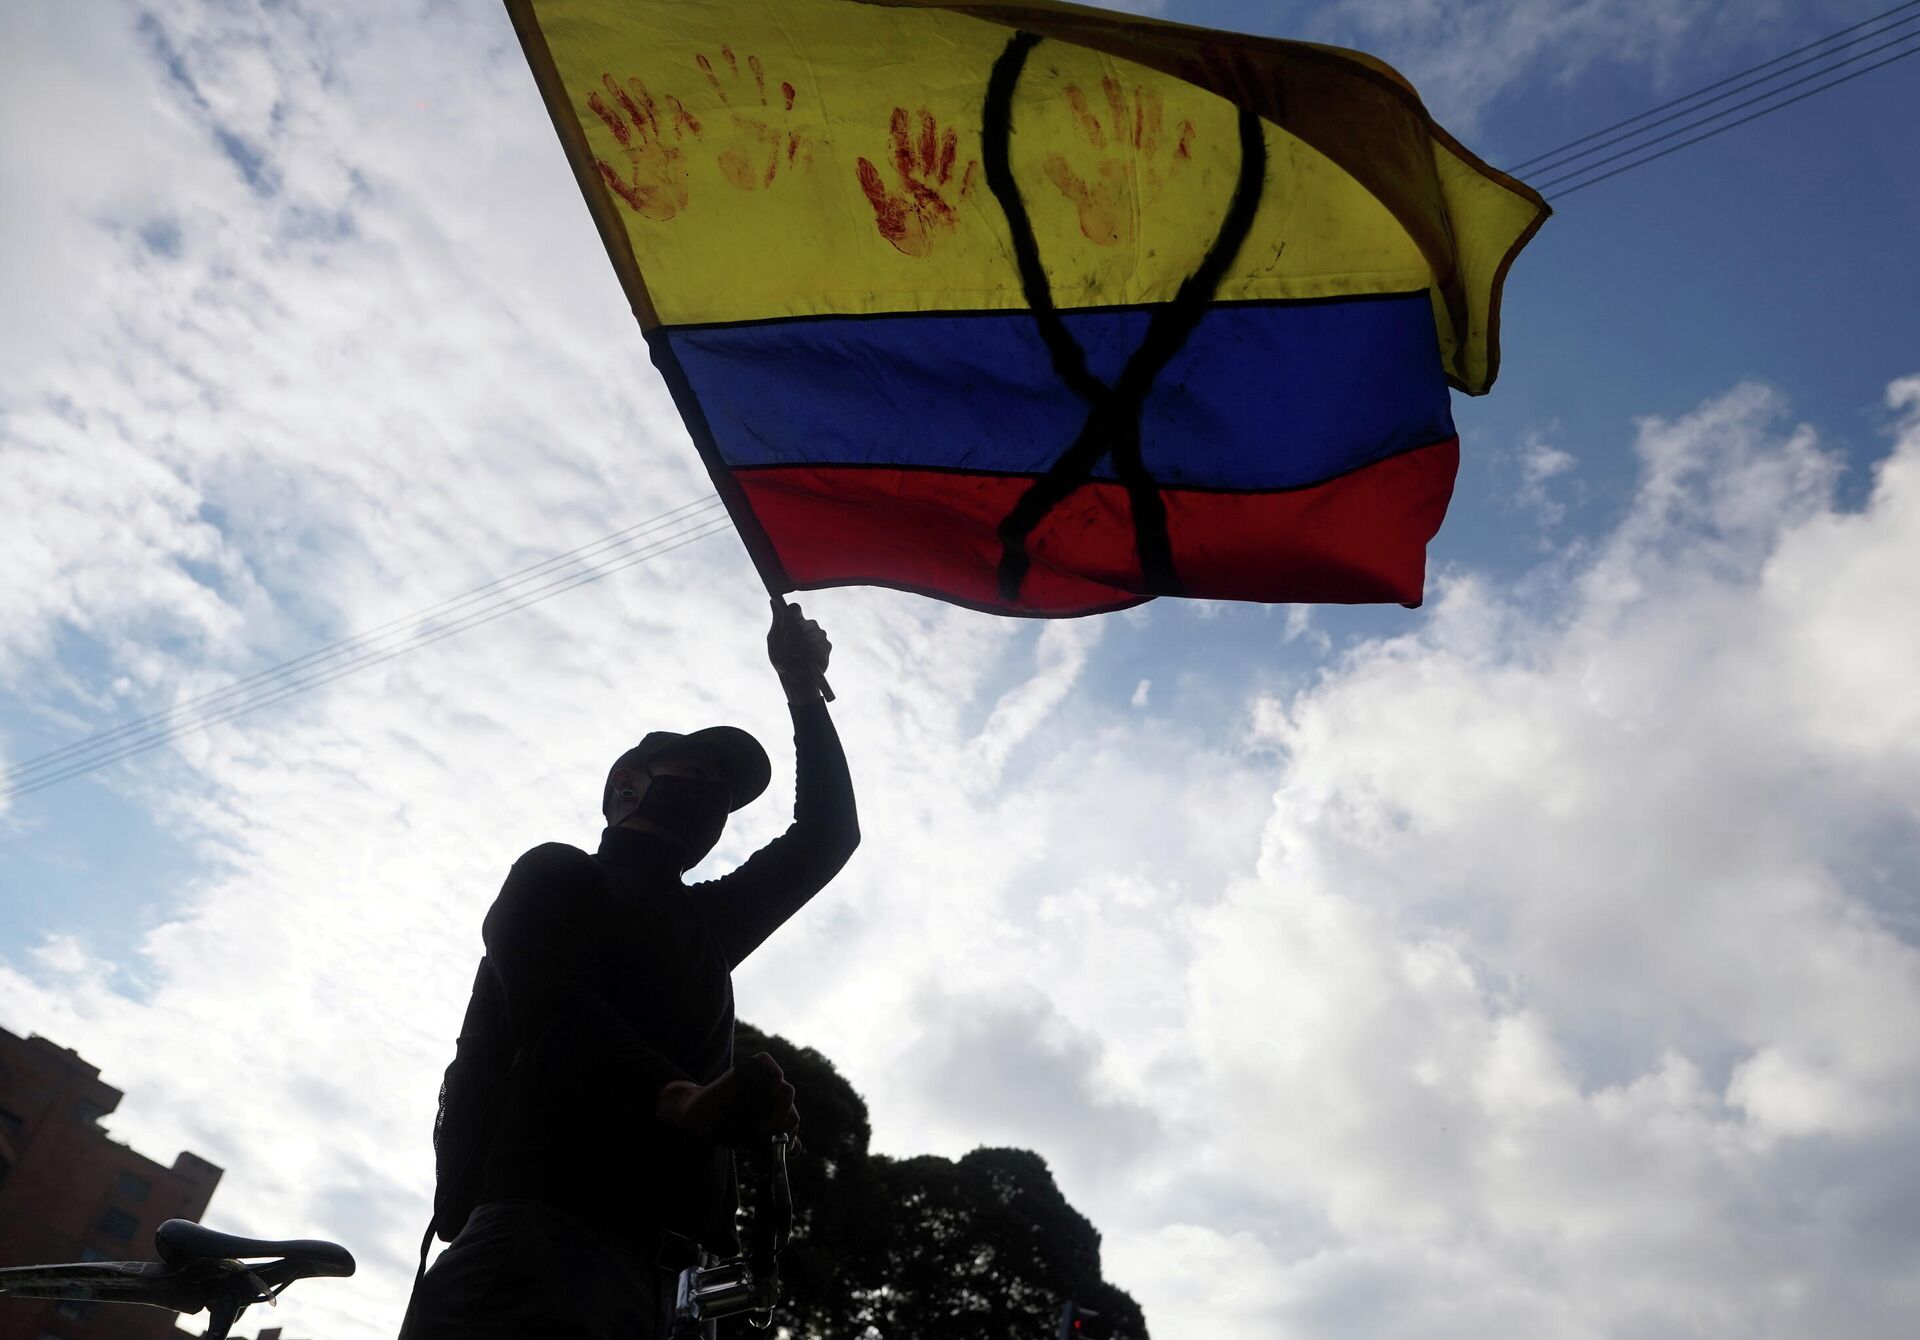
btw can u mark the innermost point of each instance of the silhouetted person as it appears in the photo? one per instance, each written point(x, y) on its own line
point(608, 1169)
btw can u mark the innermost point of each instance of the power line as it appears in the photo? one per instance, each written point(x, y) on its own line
point(1740, 88)
point(1673, 149)
point(1708, 88)
point(1584, 168)
point(20, 772)
point(287, 686)
point(1566, 173)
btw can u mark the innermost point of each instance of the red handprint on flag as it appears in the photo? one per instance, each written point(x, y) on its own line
point(913, 217)
point(654, 181)
point(1111, 195)
point(764, 135)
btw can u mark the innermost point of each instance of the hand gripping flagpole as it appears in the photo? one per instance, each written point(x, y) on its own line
point(782, 610)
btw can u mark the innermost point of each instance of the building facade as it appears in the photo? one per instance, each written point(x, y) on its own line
point(68, 1192)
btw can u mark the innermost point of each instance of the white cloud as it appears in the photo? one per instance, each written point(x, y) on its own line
point(64, 956)
point(1540, 464)
point(1463, 54)
point(1061, 652)
point(1551, 945)
point(1300, 624)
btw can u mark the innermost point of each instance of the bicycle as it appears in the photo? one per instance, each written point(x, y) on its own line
point(201, 1270)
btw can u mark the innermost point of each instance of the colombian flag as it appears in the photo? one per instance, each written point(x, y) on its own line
point(1038, 308)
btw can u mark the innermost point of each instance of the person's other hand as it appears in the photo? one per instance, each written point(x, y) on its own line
point(798, 648)
point(746, 1105)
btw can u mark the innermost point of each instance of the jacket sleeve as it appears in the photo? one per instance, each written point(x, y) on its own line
point(748, 905)
point(541, 935)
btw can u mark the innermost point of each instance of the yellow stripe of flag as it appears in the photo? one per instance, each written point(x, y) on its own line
point(757, 159)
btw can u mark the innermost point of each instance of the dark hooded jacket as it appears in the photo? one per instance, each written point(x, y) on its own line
point(617, 979)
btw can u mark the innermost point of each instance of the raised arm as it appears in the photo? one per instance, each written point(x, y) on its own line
point(747, 906)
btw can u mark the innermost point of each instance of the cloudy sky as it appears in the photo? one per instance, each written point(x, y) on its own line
point(1544, 961)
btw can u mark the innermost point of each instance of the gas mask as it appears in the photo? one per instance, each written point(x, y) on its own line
point(692, 811)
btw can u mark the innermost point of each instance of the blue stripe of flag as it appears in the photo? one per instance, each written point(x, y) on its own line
point(1261, 396)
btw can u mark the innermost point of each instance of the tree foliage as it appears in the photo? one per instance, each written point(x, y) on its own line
point(926, 1248)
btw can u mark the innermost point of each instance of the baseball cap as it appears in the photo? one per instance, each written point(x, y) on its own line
point(730, 751)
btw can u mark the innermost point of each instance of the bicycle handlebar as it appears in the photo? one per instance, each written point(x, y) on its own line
point(748, 1283)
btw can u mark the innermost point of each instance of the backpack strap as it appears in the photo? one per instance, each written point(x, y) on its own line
point(425, 1242)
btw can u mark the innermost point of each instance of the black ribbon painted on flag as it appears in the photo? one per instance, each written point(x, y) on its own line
point(1112, 426)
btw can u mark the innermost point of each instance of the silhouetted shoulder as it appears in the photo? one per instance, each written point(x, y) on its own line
point(555, 865)
point(554, 856)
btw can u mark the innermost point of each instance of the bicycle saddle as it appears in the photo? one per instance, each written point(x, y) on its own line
point(181, 1242)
